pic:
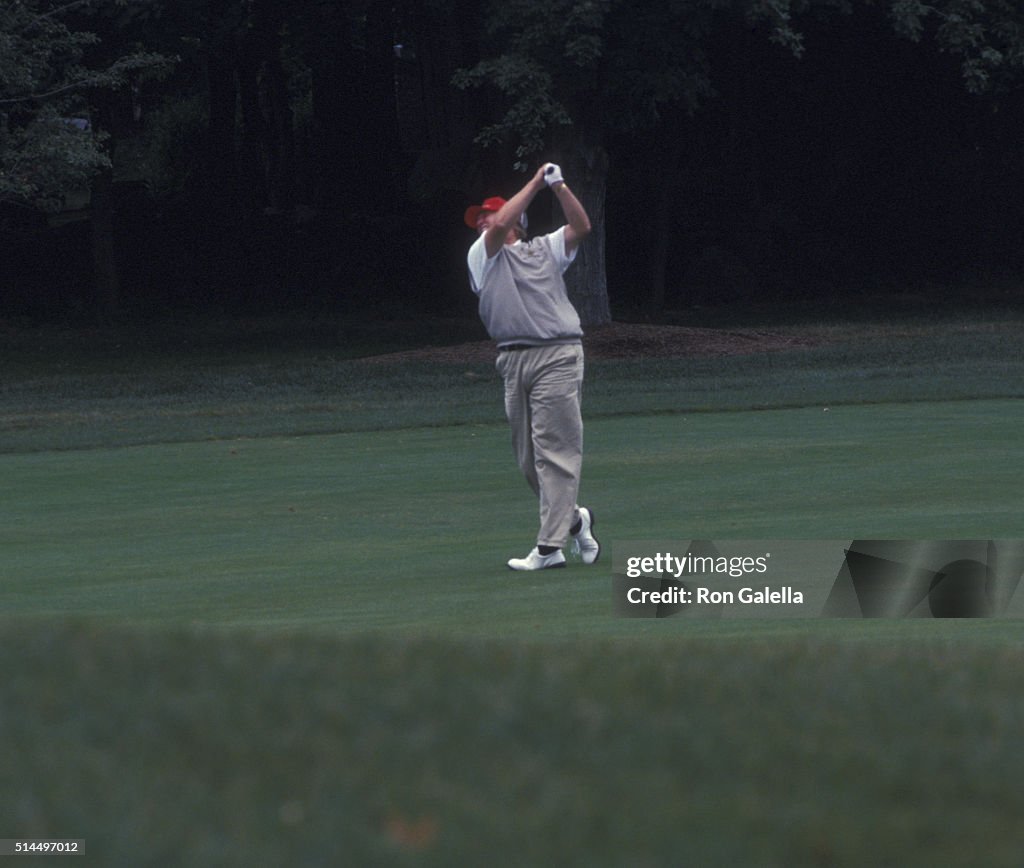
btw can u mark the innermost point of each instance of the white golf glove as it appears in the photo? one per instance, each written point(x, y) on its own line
point(553, 174)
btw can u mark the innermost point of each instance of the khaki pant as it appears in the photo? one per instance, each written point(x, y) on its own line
point(543, 386)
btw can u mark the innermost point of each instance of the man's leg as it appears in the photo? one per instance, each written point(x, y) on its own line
point(557, 428)
point(517, 409)
point(517, 369)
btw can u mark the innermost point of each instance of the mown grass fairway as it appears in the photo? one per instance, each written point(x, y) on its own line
point(282, 632)
point(410, 529)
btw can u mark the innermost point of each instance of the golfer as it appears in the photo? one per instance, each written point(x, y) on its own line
point(526, 310)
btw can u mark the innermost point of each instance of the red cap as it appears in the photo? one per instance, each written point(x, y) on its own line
point(473, 211)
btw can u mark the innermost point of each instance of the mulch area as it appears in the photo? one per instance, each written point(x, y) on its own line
point(629, 341)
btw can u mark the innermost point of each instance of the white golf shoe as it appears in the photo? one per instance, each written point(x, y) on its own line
point(536, 561)
point(584, 540)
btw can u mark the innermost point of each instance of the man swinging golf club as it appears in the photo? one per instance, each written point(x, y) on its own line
point(526, 310)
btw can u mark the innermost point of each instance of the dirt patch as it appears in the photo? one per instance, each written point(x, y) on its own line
point(630, 341)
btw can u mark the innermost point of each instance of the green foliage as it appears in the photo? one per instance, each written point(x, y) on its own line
point(601, 63)
point(532, 108)
point(167, 154)
point(548, 54)
point(987, 37)
point(47, 157)
point(42, 152)
point(619, 64)
point(47, 146)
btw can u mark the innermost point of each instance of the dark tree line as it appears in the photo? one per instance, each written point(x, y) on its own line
point(251, 155)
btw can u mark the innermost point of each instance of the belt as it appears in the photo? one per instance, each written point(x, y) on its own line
point(516, 347)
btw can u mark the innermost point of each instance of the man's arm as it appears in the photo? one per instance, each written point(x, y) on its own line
point(508, 217)
point(579, 222)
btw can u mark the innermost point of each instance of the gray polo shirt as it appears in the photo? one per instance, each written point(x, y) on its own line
point(522, 294)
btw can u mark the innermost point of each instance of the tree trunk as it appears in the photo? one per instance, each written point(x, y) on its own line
point(252, 162)
point(106, 274)
point(104, 248)
point(356, 117)
point(659, 250)
point(585, 167)
point(282, 150)
point(663, 226)
point(221, 168)
point(332, 143)
point(379, 164)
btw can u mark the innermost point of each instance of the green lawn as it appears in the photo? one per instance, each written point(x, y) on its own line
point(255, 611)
point(410, 529)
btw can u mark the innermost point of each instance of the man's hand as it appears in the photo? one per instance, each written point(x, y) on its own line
point(552, 174)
